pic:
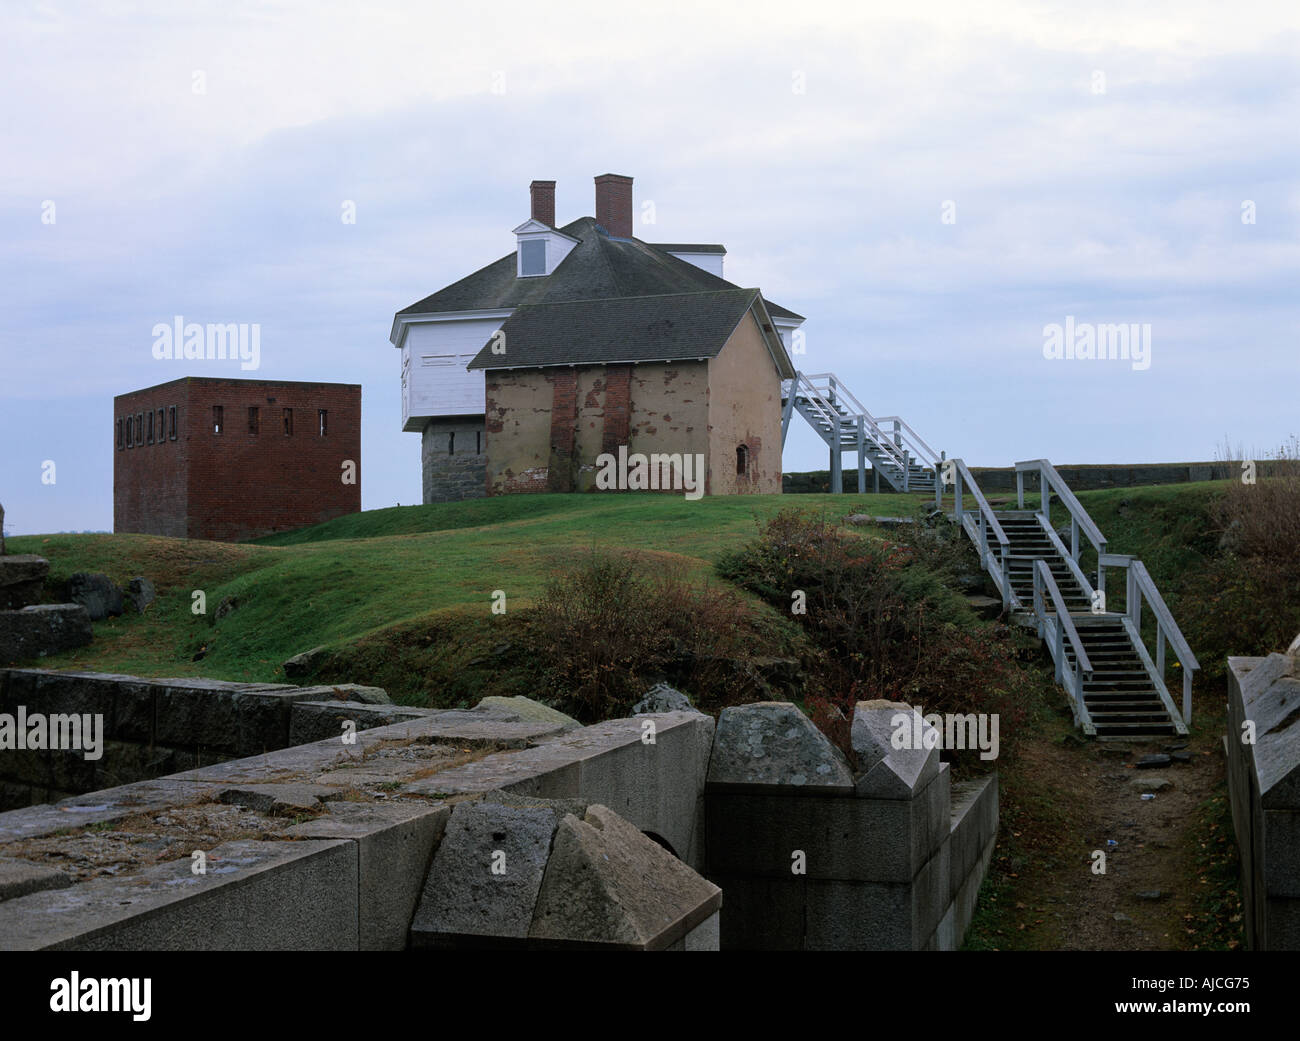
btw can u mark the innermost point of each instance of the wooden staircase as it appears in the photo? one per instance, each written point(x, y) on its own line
point(1115, 685)
point(896, 452)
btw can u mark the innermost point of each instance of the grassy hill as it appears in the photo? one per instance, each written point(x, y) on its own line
point(359, 575)
point(381, 581)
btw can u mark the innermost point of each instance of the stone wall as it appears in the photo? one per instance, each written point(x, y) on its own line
point(358, 844)
point(152, 728)
point(811, 856)
point(453, 459)
point(1078, 477)
point(1264, 787)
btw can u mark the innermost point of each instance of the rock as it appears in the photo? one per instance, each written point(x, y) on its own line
point(772, 744)
point(887, 772)
point(20, 877)
point(606, 882)
point(663, 698)
point(284, 800)
point(969, 581)
point(985, 607)
point(42, 629)
point(22, 579)
point(1149, 894)
point(1181, 757)
point(890, 523)
point(140, 593)
point(1152, 784)
point(96, 593)
point(1119, 916)
point(1174, 748)
point(528, 709)
point(227, 606)
point(1152, 762)
point(463, 894)
point(347, 692)
point(858, 518)
point(306, 663)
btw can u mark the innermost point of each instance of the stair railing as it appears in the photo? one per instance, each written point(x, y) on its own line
point(905, 437)
point(823, 402)
point(996, 565)
point(1141, 587)
point(1055, 630)
point(1049, 482)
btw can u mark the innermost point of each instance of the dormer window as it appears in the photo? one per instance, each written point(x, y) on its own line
point(532, 257)
point(540, 248)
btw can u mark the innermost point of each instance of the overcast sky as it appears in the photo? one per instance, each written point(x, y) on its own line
point(931, 184)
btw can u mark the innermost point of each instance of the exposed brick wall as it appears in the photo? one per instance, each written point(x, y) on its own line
point(564, 422)
point(618, 402)
point(453, 458)
point(237, 484)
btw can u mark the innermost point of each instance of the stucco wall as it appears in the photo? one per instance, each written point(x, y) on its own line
point(744, 408)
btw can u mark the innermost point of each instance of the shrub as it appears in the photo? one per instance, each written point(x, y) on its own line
point(884, 624)
point(1247, 599)
point(604, 629)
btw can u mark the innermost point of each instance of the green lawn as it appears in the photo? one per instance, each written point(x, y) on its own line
point(353, 576)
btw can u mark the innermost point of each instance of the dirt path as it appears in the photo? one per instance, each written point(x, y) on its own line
point(1151, 891)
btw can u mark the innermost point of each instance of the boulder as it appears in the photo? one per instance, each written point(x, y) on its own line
point(96, 593)
point(227, 605)
point(22, 578)
point(140, 593)
point(43, 629)
point(306, 663)
point(527, 709)
point(663, 698)
point(772, 744)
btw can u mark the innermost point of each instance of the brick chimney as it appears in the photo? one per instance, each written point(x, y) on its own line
point(614, 204)
point(543, 193)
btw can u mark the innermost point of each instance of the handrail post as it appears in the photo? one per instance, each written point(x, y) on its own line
point(1101, 572)
point(984, 542)
point(1187, 696)
point(956, 505)
point(1074, 537)
point(1006, 578)
point(1133, 594)
point(1020, 489)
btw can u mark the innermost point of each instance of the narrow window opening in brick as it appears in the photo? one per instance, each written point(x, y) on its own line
point(451, 444)
point(322, 414)
point(742, 460)
point(120, 440)
point(288, 421)
point(149, 429)
point(130, 440)
point(139, 428)
point(171, 417)
point(478, 442)
point(218, 418)
point(162, 426)
point(252, 419)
